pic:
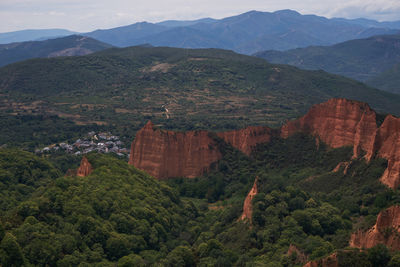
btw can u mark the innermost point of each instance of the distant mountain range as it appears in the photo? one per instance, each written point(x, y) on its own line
point(372, 60)
point(32, 35)
point(73, 45)
point(246, 33)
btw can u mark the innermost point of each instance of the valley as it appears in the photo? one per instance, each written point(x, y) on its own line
point(165, 144)
point(303, 198)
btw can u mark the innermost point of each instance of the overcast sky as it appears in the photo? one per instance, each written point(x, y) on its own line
point(87, 15)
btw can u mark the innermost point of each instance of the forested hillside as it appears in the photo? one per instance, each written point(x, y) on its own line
point(120, 89)
point(119, 215)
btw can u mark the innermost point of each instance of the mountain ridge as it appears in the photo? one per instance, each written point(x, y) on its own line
point(73, 45)
point(246, 33)
point(362, 59)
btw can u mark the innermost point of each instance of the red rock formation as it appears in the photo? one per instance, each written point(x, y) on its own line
point(247, 207)
point(387, 146)
point(337, 122)
point(341, 122)
point(301, 257)
point(246, 139)
point(165, 154)
point(345, 165)
point(85, 168)
point(385, 231)
point(330, 261)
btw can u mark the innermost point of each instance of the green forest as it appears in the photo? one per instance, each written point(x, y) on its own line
point(120, 216)
point(45, 101)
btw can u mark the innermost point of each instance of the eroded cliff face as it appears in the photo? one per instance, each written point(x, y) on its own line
point(246, 139)
point(337, 122)
point(247, 206)
point(385, 231)
point(330, 261)
point(341, 122)
point(165, 154)
point(387, 146)
point(85, 168)
point(301, 257)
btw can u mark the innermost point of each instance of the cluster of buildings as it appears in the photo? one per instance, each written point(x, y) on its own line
point(99, 142)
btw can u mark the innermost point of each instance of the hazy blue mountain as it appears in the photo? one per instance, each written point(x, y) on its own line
point(361, 59)
point(371, 23)
point(73, 45)
point(31, 35)
point(127, 35)
point(183, 23)
point(246, 33)
point(389, 80)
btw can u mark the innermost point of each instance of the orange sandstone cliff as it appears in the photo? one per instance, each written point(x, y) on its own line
point(248, 138)
point(330, 261)
point(85, 168)
point(337, 122)
point(301, 257)
point(341, 122)
point(247, 207)
point(387, 146)
point(165, 154)
point(385, 231)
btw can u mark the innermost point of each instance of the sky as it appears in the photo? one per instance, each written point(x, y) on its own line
point(88, 15)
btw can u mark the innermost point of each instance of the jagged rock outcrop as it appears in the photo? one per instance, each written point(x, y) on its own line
point(337, 122)
point(301, 257)
point(246, 139)
point(85, 168)
point(330, 261)
point(341, 122)
point(247, 206)
point(165, 154)
point(387, 146)
point(342, 165)
point(385, 231)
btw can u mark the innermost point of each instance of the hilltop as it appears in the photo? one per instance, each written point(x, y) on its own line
point(73, 45)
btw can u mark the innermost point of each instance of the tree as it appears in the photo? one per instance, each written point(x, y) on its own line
point(379, 255)
point(131, 260)
point(181, 256)
point(11, 252)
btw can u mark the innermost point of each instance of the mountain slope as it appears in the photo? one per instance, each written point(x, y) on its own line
point(360, 59)
point(127, 35)
point(246, 33)
point(182, 23)
point(178, 88)
point(388, 80)
point(31, 35)
point(73, 45)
